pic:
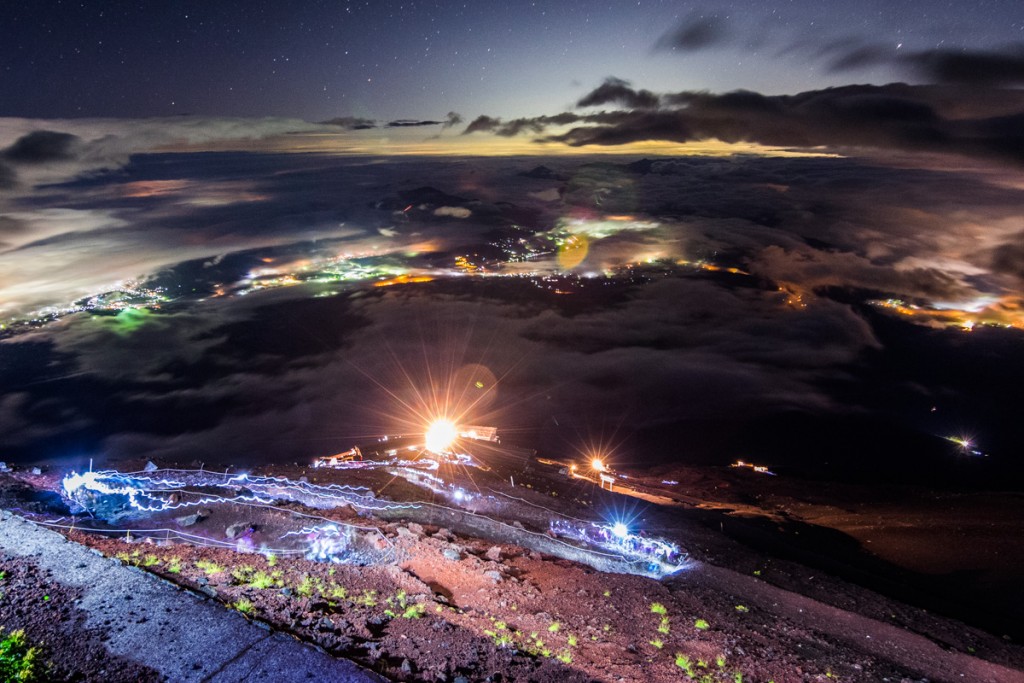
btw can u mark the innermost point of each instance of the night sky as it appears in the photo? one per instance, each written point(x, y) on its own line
point(394, 60)
point(263, 231)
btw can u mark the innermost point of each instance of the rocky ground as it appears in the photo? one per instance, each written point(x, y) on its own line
point(455, 606)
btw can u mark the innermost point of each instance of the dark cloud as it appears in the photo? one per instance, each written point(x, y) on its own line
point(482, 124)
point(452, 119)
point(989, 68)
point(696, 32)
point(43, 146)
point(411, 123)
point(12, 227)
point(618, 91)
point(974, 67)
point(1008, 258)
point(895, 116)
point(351, 123)
point(8, 177)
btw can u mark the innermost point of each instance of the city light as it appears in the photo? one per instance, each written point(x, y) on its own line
point(441, 435)
point(597, 465)
point(620, 530)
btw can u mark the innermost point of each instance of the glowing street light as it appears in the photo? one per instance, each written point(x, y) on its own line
point(441, 435)
point(620, 530)
point(597, 465)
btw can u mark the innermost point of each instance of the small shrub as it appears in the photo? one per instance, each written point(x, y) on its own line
point(367, 599)
point(244, 606)
point(554, 627)
point(209, 567)
point(657, 643)
point(742, 608)
point(414, 611)
point(658, 608)
point(685, 663)
point(18, 660)
point(174, 565)
point(663, 627)
point(573, 641)
point(150, 561)
point(261, 580)
point(305, 587)
point(565, 657)
point(701, 625)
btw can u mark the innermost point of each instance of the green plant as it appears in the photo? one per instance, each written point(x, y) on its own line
point(701, 625)
point(720, 661)
point(565, 657)
point(414, 611)
point(367, 599)
point(658, 608)
point(742, 608)
point(685, 663)
point(18, 660)
point(261, 580)
point(244, 606)
point(271, 560)
point(738, 677)
point(573, 640)
point(663, 627)
point(305, 587)
point(338, 592)
point(657, 643)
point(242, 574)
point(209, 567)
point(150, 561)
point(554, 627)
point(607, 594)
point(174, 565)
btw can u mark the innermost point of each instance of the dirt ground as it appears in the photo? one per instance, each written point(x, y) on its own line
point(457, 607)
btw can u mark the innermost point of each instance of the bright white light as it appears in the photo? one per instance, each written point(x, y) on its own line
point(619, 529)
point(440, 436)
point(597, 464)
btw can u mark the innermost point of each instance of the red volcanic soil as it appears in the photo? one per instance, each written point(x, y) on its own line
point(461, 607)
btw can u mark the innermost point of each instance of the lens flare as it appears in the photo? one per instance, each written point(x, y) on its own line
point(440, 435)
point(573, 251)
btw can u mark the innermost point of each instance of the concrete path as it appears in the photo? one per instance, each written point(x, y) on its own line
point(183, 636)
